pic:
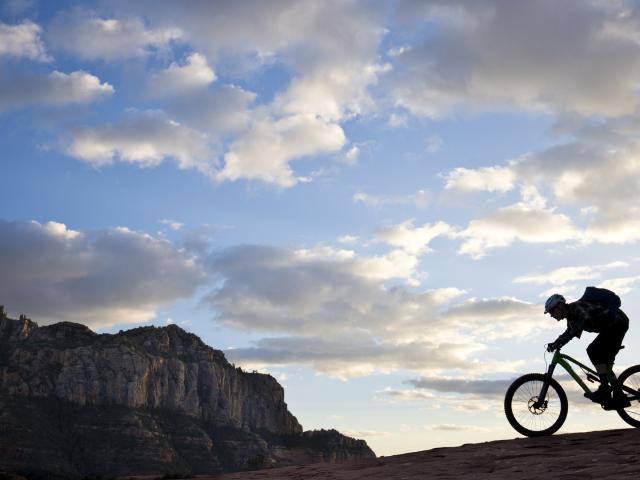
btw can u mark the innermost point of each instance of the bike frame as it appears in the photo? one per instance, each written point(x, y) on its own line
point(565, 362)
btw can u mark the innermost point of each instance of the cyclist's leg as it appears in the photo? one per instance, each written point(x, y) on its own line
point(602, 352)
point(623, 325)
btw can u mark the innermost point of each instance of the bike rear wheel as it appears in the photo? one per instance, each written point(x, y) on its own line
point(630, 380)
point(519, 406)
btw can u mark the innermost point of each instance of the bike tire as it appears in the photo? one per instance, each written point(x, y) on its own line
point(520, 395)
point(631, 378)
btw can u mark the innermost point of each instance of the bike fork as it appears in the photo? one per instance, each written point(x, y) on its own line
point(545, 386)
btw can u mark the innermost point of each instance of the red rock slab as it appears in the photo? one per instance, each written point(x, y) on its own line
point(605, 454)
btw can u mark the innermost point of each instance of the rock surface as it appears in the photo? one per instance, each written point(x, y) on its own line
point(143, 401)
point(592, 455)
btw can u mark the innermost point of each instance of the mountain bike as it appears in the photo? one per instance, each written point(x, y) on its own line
point(536, 404)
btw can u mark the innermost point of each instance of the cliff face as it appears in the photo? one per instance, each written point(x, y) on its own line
point(159, 397)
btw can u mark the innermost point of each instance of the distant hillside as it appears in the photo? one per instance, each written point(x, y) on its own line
point(609, 454)
point(143, 401)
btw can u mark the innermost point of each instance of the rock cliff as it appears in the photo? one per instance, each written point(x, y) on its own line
point(143, 401)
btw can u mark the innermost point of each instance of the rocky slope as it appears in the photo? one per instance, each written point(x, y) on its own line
point(591, 455)
point(143, 401)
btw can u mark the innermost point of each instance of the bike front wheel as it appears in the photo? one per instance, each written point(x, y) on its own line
point(522, 411)
point(629, 380)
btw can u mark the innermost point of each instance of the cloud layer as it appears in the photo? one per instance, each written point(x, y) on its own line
point(480, 57)
point(55, 89)
point(330, 310)
point(100, 278)
point(143, 138)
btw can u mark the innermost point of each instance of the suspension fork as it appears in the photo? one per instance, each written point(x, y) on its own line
point(545, 386)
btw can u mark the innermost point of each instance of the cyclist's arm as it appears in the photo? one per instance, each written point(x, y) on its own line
point(573, 330)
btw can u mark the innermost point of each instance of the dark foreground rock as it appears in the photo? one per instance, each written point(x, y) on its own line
point(147, 401)
point(610, 454)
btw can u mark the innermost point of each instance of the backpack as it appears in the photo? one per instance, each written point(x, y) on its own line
point(603, 297)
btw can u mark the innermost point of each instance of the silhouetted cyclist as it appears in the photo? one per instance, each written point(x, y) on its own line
point(597, 311)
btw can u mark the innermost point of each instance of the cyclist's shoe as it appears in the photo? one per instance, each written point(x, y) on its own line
point(602, 395)
point(619, 400)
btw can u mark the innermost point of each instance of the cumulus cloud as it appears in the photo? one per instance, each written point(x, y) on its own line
point(90, 36)
point(479, 56)
point(414, 240)
point(22, 41)
point(596, 172)
point(178, 79)
point(489, 179)
point(265, 152)
point(528, 221)
point(143, 138)
point(56, 88)
point(310, 291)
point(329, 50)
point(99, 278)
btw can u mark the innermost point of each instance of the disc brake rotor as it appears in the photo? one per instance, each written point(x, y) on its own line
point(532, 406)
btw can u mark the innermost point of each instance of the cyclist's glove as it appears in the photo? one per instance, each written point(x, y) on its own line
point(552, 347)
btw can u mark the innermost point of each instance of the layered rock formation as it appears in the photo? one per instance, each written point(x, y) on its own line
point(143, 401)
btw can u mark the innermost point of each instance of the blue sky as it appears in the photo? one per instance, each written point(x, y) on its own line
point(370, 201)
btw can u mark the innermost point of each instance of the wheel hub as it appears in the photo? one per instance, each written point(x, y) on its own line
point(536, 408)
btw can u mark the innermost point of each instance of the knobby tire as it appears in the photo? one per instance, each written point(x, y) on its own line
point(630, 378)
point(522, 420)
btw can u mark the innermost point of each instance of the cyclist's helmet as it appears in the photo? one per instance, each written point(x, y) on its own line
point(553, 301)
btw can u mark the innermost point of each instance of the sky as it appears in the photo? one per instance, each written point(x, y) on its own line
point(368, 200)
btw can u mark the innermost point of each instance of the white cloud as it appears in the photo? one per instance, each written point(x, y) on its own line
point(527, 221)
point(172, 224)
point(57, 88)
point(479, 56)
point(328, 48)
point(52, 273)
point(333, 92)
point(265, 152)
point(597, 172)
point(414, 240)
point(347, 239)
point(563, 275)
point(89, 36)
point(143, 138)
point(621, 285)
point(178, 79)
point(22, 40)
point(490, 179)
